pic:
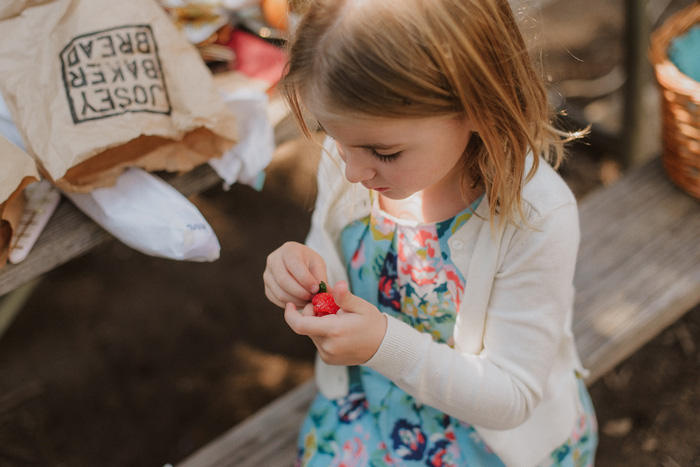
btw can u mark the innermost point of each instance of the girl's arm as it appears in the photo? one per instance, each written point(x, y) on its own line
point(530, 300)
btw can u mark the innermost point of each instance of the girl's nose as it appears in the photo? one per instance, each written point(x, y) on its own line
point(358, 167)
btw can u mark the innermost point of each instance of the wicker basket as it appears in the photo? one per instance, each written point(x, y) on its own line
point(680, 97)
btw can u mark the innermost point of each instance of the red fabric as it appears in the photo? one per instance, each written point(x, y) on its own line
point(257, 58)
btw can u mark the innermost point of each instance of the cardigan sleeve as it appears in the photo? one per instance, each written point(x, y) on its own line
point(530, 298)
point(315, 238)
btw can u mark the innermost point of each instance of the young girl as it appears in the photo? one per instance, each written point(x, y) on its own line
point(450, 241)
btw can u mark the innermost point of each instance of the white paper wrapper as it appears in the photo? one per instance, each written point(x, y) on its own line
point(245, 162)
point(150, 216)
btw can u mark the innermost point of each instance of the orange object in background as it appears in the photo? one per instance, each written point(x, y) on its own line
point(276, 13)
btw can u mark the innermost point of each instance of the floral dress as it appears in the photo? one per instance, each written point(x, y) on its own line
point(404, 268)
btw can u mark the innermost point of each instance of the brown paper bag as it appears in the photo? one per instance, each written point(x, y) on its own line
point(95, 86)
point(17, 170)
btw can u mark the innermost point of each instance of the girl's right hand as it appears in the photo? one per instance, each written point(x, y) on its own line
point(292, 274)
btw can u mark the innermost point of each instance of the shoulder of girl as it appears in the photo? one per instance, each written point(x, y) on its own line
point(547, 191)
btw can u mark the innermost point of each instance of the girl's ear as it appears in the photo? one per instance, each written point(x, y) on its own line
point(469, 124)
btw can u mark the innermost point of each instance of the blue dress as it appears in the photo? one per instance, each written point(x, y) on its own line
point(404, 269)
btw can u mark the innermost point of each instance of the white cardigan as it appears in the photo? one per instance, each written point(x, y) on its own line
point(511, 372)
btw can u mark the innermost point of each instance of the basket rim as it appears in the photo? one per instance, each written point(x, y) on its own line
point(667, 74)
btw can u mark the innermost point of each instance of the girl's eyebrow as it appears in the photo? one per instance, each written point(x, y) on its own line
point(381, 147)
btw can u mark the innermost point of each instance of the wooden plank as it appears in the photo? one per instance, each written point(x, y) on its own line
point(268, 438)
point(638, 271)
point(639, 265)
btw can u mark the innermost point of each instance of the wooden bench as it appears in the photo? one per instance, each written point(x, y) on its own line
point(638, 271)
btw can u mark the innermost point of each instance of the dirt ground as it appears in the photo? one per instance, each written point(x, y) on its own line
point(119, 359)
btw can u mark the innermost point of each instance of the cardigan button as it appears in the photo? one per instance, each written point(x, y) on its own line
point(458, 244)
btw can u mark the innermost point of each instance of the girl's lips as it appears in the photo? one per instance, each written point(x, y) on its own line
point(378, 189)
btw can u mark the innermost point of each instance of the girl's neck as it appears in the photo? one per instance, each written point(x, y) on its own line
point(427, 207)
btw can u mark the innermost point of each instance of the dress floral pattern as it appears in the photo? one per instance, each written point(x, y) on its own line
point(404, 268)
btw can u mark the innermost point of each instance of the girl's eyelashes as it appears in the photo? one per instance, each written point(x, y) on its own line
point(381, 157)
point(386, 157)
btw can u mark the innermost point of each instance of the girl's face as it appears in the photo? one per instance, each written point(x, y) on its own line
point(401, 157)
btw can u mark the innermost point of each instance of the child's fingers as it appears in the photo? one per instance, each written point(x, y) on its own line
point(279, 297)
point(294, 318)
point(346, 300)
point(305, 323)
point(341, 339)
point(306, 272)
point(290, 285)
point(318, 271)
point(288, 275)
point(280, 294)
point(308, 310)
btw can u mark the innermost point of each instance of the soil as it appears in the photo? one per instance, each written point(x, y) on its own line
point(119, 359)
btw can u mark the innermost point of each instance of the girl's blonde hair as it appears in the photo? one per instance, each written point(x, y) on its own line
point(418, 58)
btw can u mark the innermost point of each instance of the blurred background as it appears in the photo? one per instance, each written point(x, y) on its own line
point(120, 359)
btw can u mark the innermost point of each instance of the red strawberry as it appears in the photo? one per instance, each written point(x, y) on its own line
point(323, 302)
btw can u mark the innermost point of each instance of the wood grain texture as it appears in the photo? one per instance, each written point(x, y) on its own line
point(638, 271)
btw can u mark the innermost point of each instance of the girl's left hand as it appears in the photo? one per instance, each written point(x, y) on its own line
point(350, 337)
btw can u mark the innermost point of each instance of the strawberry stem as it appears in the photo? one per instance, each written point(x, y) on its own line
point(322, 287)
